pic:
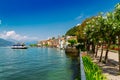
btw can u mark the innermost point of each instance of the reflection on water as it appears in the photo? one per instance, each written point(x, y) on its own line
point(75, 65)
point(37, 64)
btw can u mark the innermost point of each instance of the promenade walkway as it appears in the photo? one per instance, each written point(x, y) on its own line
point(111, 68)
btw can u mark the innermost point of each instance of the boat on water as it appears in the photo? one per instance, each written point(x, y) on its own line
point(19, 46)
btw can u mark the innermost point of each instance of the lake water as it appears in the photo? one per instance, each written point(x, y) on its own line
point(37, 64)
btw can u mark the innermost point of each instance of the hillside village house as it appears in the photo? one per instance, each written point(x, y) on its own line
point(62, 42)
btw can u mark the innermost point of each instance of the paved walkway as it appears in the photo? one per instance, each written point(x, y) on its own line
point(111, 68)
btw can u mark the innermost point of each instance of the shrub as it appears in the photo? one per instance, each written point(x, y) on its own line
point(72, 42)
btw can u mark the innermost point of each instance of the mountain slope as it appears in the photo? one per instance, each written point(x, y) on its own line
point(4, 43)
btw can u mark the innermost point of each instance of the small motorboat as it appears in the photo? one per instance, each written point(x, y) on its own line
point(19, 46)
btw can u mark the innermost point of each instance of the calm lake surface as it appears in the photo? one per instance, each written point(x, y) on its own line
point(37, 64)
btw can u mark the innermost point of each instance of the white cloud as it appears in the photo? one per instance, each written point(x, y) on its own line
point(79, 17)
point(14, 36)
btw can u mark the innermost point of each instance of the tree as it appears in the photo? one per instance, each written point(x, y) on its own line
point(89, 33)
point(109, 21)
point(117, 27)
point(78, 31)
point(92, 33)
point(72, 42)
point(53, 38)
point(101, 30)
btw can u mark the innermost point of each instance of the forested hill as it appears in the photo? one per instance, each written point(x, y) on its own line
point(78, 30)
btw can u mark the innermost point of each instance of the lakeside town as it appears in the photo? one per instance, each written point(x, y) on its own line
point(60, 42)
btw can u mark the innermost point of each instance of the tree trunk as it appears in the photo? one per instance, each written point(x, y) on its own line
point(101, 53)
point(88, 46)
point(96, 51)
point(119, 50)
point(93, 47)
point(85, 45)
point(106, 55)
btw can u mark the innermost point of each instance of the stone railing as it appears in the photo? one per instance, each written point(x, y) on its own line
point(82, 72)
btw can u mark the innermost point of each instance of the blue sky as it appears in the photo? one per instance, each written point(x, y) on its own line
point(40, 19)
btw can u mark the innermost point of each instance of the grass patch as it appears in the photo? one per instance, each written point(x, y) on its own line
point(92, 71)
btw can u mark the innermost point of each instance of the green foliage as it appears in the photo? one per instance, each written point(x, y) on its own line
point(63, 35)
point(53, 38)
point(46, 45)
point(114, 46)
point(92, 71)
point(72, 31)
point(33, 45)
point(77, 31)
point(72, 42)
